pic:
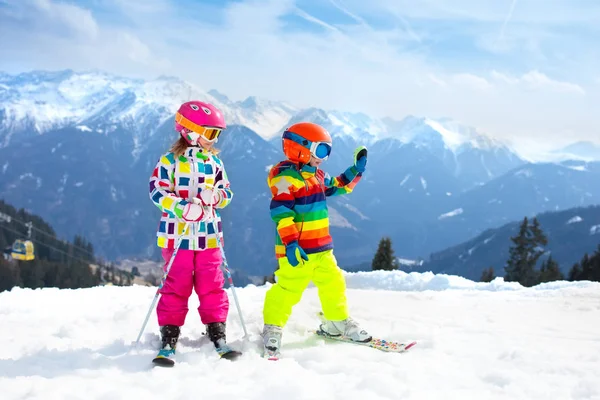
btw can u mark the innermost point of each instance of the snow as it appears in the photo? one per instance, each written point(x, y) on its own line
point(574, 220)
point(525, 172)
point(452, 213)
point(486, 241)
point(492, 340)
point(409, 262)
point(4, 167)
point(423, 183)
point(406, 178)
point(452, 139)
point(595, 229)
point(84, 128)
point(578, 167)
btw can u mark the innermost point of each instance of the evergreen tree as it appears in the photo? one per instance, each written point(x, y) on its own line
point(384, 257)
point(524, 254)
point(588, 269)
point(550, 271)
point(575, 272)
point(488, 275)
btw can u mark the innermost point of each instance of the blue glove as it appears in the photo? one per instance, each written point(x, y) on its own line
point(292, 256)
point(360, 158)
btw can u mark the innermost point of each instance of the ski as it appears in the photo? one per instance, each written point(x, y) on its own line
point(164, 358)
point(166, 361)
point(389, 346)
point(375, 343)
point(228, 353)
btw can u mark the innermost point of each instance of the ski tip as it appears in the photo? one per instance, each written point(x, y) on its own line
point(408, 346)
point(163, 362)
point(231, 355)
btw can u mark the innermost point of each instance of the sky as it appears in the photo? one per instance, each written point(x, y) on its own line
point(523, 70)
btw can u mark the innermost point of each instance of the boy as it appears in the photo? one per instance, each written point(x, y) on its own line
point(304, 247)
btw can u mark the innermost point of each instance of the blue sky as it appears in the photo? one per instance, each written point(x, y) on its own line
point(527, 69)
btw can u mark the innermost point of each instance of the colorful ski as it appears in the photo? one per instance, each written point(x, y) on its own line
point(375, 343)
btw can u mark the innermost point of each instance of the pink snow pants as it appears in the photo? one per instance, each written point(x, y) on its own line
point(198, 270)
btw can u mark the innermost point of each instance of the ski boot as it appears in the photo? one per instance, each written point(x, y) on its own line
point(216, 334)
point(272, 342)
point(347, 328)
point(170, 335)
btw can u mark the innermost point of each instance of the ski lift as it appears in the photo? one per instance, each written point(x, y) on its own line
point(23, 249)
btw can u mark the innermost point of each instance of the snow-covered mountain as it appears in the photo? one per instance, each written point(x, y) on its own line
point(586, 151)
point(91, 140)
point(78, 344)
point(571, 233)
point(39, 101)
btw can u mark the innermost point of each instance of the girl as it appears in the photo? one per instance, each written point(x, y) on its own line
point(303, 245)
point(188, 185)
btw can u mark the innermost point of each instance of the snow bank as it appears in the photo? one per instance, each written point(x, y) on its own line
point(417, 282)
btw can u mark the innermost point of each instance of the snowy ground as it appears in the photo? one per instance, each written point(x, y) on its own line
point(475, 341)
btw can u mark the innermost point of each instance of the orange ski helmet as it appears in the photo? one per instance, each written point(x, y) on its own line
point(304, 139)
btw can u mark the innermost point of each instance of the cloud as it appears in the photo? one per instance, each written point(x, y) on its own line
point(535, 80)
point(386, 58)
point(62, 19)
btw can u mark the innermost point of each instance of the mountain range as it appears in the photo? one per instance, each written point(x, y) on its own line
point(79, 147)
point(571, 234)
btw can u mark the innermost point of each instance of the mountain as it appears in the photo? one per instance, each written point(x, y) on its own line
point(571, 233)
point(87, 143)
point(524, 191)
point(36, 102)
point(587, 151)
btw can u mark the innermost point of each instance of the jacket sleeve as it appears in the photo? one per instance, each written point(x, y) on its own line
point(162, 187)
point(283, 186)
point(223, 186)
point(342, 184)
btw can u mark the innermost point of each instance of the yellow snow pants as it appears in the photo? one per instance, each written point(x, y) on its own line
point(322, 269)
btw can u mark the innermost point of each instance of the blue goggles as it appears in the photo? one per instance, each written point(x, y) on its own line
point(320, 150)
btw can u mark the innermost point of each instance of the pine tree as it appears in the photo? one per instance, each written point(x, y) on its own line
point(524, 254)
point(550, 271)
point(575, 272)
point(488, 275)
point(384, 257)
point(588, 269)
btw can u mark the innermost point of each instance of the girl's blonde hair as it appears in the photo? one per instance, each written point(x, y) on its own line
point(179, 146)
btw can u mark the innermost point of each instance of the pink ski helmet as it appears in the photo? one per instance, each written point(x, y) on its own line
point(197, 118)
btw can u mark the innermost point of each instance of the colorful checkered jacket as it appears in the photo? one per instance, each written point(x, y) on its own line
point(175, 181)
point(299, 207)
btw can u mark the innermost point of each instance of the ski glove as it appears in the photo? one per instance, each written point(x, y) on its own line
point(360, 158)
point(293, 252)
point(194, 213)
point(210, 197)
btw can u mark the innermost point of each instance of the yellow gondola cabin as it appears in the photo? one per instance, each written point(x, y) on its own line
point(23, 250)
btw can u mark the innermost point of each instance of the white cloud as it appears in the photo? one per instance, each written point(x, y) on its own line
point(394, 68)
point(472, 81)
point(535, 80)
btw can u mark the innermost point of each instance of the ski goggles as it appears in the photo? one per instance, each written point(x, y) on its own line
point(209, 133)
point(320, 150)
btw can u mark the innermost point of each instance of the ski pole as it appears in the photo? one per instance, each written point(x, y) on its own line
point(230, 280)
point(162, 281)
point(226, 268)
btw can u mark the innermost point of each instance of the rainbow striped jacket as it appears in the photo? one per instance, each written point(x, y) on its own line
point(299, 207)
point(175, 181)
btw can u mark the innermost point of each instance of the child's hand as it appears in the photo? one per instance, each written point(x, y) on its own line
point(294, 252)
point(360, 158)
point(209, 197)
point(194, 213)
